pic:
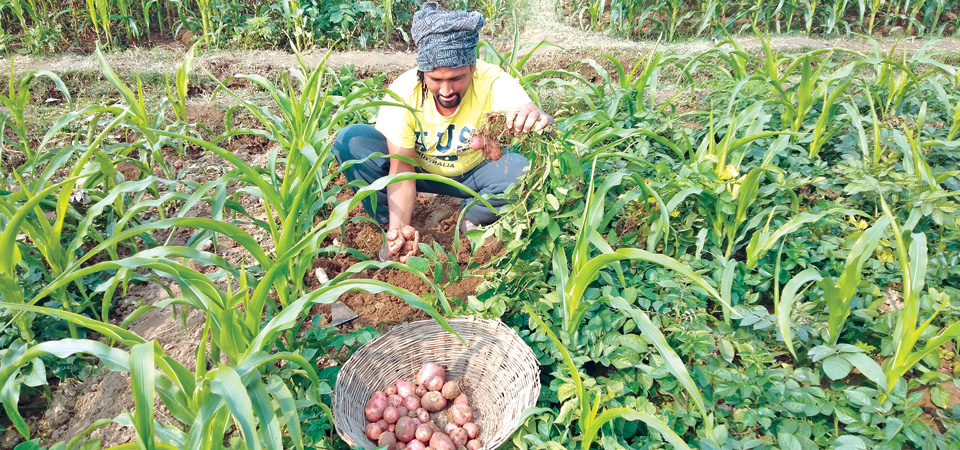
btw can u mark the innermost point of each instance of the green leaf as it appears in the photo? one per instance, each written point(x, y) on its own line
point(792, 292)
point(227, 384)
point(419, 264)
point(837, 367)
point(868, 367)
point(143, 386)
point(788, 442)
point(940, 396)
point(727, 351)
point(674, 364)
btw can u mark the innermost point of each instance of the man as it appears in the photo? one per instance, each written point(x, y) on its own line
point(450, 91)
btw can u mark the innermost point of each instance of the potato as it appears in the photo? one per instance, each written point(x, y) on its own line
point(388, 439)
point(383, 424)
point(392, 427)
point(441, 418)
point(402, 411)
point(441, 441)
point(405, 388)
point(460, 414)
point(374, 430)
point(459, 436)
point(472, 429)
point(375, 406)
point(424, 432)
point(461, 447)
point(423, 415)
point(421, 390)
point(391, 415)
point(394, 400)
point(448, 428)
point(411, 402)
point(435, 384)
point(474, 444)
point(416, 445)
point(406, 429)
point(433, 401)
point(428, 371)
point(391, 390)
point(462, 399)
point(450, 390)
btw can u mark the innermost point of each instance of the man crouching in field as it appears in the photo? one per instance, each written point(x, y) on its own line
point(451, 91)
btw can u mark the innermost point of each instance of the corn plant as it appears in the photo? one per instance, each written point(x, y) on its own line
point(839, 294)
point(591, 419)
point(16, 102)
point(206, 404)
point(911, 254)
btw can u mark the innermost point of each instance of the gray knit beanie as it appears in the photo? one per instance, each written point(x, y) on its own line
point(445, 38)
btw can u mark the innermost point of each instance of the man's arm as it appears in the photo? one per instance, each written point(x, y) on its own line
point(402, 239)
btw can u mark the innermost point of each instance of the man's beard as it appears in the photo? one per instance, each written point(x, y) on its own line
point(449, 104)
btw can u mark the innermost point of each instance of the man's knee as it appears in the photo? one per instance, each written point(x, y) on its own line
point(341, 145)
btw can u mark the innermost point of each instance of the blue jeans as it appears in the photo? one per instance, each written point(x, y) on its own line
point(359, 141)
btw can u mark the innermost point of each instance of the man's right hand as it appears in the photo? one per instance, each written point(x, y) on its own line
point(402, 243)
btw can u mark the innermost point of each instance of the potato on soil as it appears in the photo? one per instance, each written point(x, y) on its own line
point(450, 390)
point(433, 401)
point(428, 371)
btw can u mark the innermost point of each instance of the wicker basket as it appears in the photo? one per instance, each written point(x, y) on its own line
point(500, 370)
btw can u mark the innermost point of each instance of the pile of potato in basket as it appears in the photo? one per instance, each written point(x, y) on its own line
point(432, 414)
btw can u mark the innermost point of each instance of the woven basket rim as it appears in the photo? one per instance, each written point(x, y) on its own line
point(488, 336)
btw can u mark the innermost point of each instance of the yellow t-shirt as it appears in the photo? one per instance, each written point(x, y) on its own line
point(443, 148)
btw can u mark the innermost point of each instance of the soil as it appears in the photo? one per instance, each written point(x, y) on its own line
point(77, 405)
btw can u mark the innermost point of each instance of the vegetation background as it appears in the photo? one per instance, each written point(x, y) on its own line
point(744, 235)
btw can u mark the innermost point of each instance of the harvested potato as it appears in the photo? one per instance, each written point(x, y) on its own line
point(472, 429)
point(374, 430)
point(460, 414)
point(433, 401)
point(406, 429)
point(441, 441)
point(375, 406)
point(388, 439)
point(450, 390)
point(429, 371)
point(459, 436)
point(405, 388)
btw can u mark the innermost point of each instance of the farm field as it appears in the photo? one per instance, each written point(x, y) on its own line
point(743, 234)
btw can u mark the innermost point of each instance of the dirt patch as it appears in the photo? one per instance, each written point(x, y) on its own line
point(436, 218)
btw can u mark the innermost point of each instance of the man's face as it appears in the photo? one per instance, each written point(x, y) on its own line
point(448, 86)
